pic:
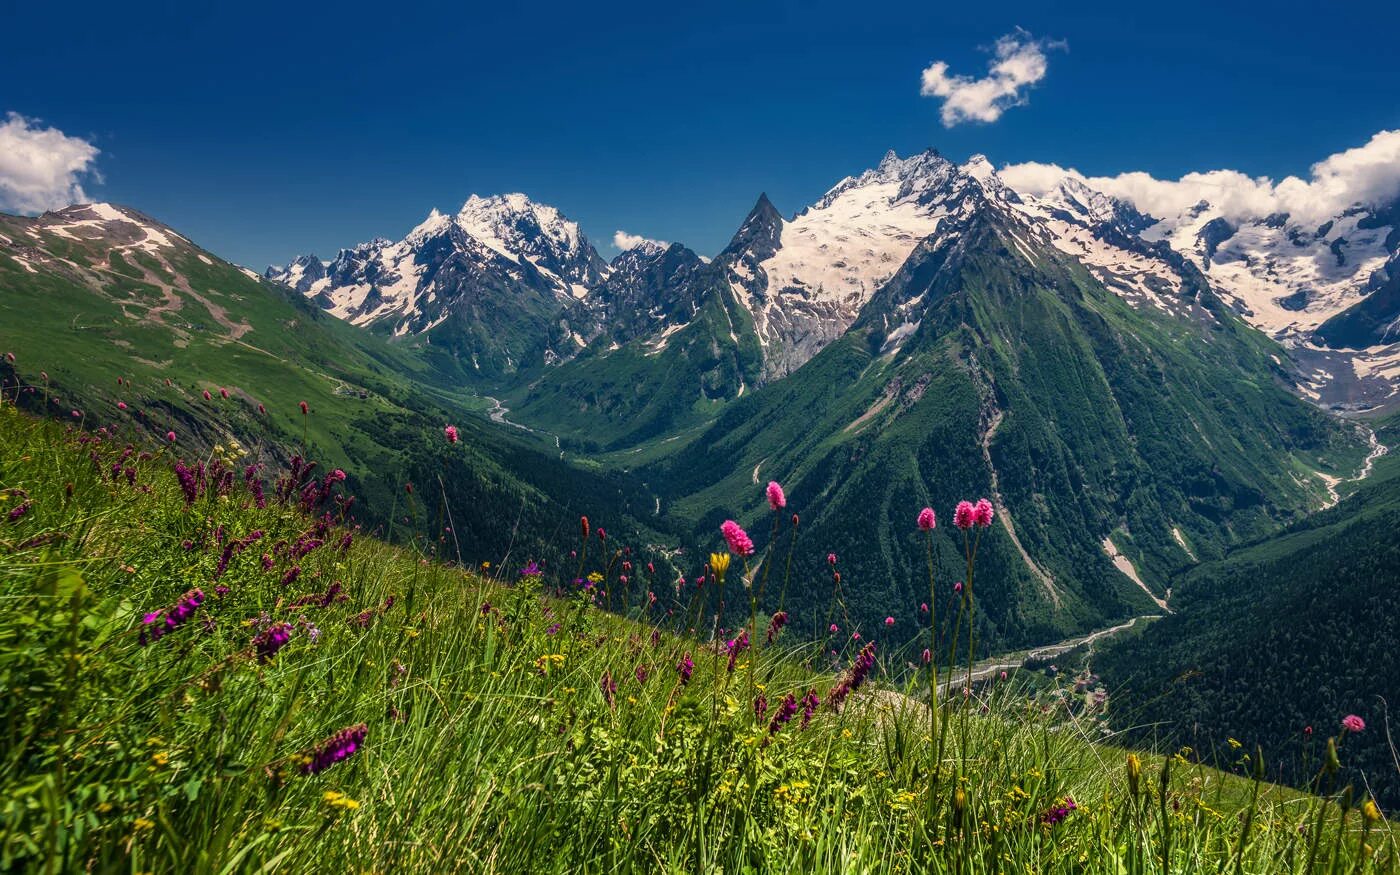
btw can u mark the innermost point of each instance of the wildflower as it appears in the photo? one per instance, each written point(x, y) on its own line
point(964, 515)
point(77, 414)
point(158, 623)
point(1058, 812)
point(810, 703)
point(834, 629)
point(982, 513)
point(719, 564)
point(121, 405)
point(737, 646)
point(923, 607)
point(958, 588)
point(795, 521)
point(889, 621)
point(927, 656)
point(207, 396)
point(685, 668)
point(642, 673)
point(1370, 812)
point(1307, 730)
point(786, 711)
point(1353, 723)
point(760, 707)
point(334, 749)
point(339, 800)
point(854, 678)
point(304, 409)
point(1134, 768)
point(451, 432)
point(583, 526)
point(262, 409)
point(775, 626)
point(776, 499)
point(292, 574)
point(170, 436)
point(927, 520)
point(223, 393)
point(609, 687)
point(18, 511)
point(737, 538)
point(272, 639)
point(531, 569)
point(651, 569)
point(831, 559)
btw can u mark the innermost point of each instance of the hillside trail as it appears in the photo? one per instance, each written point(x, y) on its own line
point(1005, 515)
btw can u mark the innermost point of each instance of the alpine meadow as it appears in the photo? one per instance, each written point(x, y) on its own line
point(951, 515)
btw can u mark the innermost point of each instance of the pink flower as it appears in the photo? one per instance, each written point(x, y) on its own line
point(77, 414)
point(889, 621)
point(304, 409)
point(923, 607)
point(831, 559)
point(121, 405)
point(223, 393)
point(451, 432)
point(738, 539)
point(1352, 723)
point(982, 513)
point(776, 499)
point(835, 628)
point(170, 436)
point(964, 515)
point(957, 587)
point(927, 656)
point(927, 520)
point(207, 396)
point(855, 636)
point(10, 357)
point(262, 409)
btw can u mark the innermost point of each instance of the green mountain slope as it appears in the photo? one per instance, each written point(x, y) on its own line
point(92, 295)
point(993, 365)
point(1292, 632)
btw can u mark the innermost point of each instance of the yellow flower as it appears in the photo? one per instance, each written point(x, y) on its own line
point(1370, 811)
point(160, 757)
point(1233, 743)
point(339, 800)
point(1134, 773)
point(142, 824)
point(719, 564)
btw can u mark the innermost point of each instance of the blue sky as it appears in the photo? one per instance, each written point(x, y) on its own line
point(262, 131)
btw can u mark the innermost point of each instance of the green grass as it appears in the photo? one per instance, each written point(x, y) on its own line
point(491, 742)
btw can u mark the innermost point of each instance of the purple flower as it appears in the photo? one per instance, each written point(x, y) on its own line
point(776, 625)
point(760, 707)
point(685, 668)
point(158, 623)
point(786, 711)
point(334, 749)
point(1058, 812)
point(18, 511)
point(272, 639)
point(737, 646)
point(609, 687)
point(810, 703)
point(531, 569)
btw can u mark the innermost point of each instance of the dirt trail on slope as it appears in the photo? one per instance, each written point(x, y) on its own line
point(1005, 516)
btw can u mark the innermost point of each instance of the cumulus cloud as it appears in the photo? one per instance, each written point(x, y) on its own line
point(624, 241)
point(41, 168)
point(1018, 62)
point(1367, 175)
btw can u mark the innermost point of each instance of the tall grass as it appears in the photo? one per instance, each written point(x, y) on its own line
point(513, 724)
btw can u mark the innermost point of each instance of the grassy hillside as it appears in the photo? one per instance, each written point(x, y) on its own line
point(96, 320)
point(1281, 636)
point(378, 710)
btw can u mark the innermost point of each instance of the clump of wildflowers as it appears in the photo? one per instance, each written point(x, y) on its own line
point(685, 668)
point(272, 639)
point(1058, 812)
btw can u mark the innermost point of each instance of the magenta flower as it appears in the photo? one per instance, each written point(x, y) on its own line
point(18, 511)
point(207, 396)
point(776, 499)
point(927, 656)
point(776, 625)
point(786, 711)
point(304, 409)
point(964, 515)
point(1353, 723)
point(889, 621)
point(738, 539)
point(927, 520)
point(831, 559)
point(223, 393)
point(121, 405)
point(834, 628)
point(685, 668)
point(272, 639)
point(609, 688)
point(982, 513)
point(332, 750)
point(170, 436)
point(451, 432)
point(809, 707)
point(158, 623)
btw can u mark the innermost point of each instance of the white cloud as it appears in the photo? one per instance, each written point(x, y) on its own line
point(1368, 175)
point(1018, 62)
point(624, 241)
point(41, 168)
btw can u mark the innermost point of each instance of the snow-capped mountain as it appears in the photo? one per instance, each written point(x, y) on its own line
point(497, 273)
